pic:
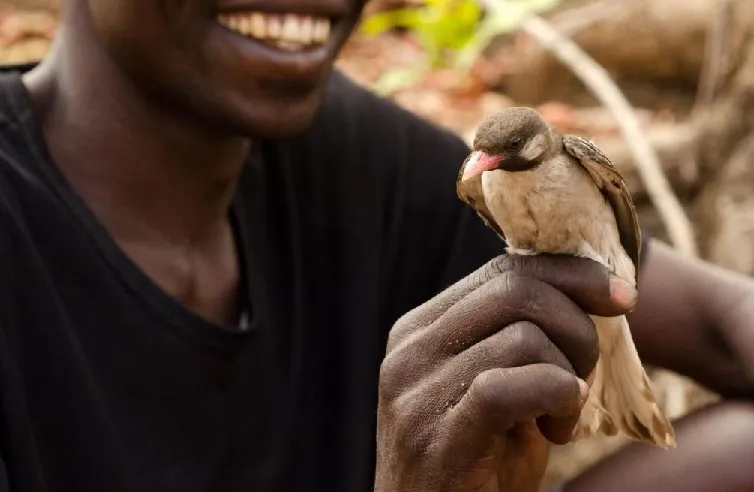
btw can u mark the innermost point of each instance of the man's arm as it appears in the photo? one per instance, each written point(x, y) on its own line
point(696, 319)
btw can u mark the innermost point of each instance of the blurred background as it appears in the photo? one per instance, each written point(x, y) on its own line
point(685, 68)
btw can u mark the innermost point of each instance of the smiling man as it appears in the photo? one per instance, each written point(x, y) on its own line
point(210, 241)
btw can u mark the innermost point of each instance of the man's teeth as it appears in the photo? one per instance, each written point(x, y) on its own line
point(289, 31)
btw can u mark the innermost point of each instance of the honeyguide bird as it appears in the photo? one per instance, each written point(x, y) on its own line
point(544, 192)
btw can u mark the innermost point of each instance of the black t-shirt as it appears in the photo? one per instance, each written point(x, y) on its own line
point(109, 384)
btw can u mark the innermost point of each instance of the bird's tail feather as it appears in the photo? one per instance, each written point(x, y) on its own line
point(622, 398)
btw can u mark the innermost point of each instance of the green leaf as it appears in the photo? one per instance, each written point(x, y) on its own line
point(383, 21)
point(451, 32)
point(397, 79)
point(503, 17)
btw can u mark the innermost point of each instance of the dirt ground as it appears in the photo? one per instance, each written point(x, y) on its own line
point(686, 66)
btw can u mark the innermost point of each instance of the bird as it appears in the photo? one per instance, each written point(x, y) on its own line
point(545, 192)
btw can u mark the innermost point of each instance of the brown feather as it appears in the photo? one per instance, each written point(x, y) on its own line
point(614, 188)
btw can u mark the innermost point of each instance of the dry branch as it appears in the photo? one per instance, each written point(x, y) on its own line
point(657, 43)
point(674, 146)
point(578, 19)
point(717, 56)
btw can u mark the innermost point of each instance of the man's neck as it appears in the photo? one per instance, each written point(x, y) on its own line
point(141, 168)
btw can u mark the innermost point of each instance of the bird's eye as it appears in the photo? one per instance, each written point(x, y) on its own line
point(515, 143)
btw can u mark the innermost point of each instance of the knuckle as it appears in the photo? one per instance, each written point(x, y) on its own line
point(528, 304)
point(403, 328)
point(558, 387)
point(532, 346)
point(412, 425)
point(487, 391)
point(499, 264)
point(397, 334)
point(507, 263)
point(489, 270)
point(538, 266)
point(517, 336)
point(416, 433)
point(519, 292)
point(507, 284)
point(527, 341)
point(403, 324)
point(393, 376)
point(517, 263)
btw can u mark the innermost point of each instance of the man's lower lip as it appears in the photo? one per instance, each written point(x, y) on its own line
point(278, 63)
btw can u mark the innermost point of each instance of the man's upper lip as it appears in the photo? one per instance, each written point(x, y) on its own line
point(324, 8)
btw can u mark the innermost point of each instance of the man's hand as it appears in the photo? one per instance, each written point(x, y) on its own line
point(476, 380)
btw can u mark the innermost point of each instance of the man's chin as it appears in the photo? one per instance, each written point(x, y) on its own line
point(277, 121)
point(277, 129)
point(257, 114)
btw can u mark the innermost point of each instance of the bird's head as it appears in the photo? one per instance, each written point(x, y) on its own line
point(514, 139)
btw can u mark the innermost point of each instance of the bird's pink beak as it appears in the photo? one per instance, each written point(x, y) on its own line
point(478, 163)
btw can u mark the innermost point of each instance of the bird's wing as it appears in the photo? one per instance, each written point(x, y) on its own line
point(470, 192)
point(611, 183)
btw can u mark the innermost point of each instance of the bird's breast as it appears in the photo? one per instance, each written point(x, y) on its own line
point(557, 210)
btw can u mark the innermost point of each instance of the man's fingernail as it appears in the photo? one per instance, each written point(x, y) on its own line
point(583, 390)
point(622, 293)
